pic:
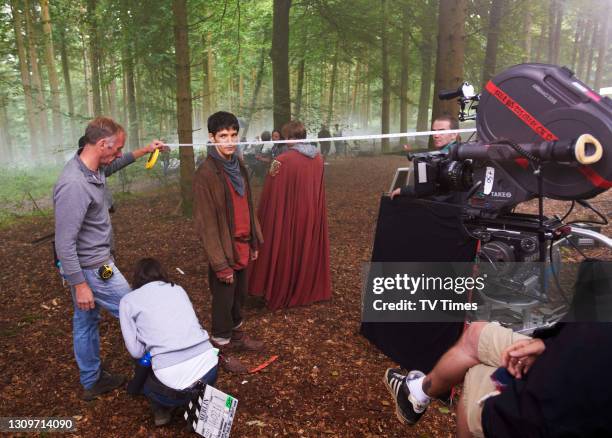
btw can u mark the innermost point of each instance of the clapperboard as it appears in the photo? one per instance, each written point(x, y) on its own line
point(211, 414)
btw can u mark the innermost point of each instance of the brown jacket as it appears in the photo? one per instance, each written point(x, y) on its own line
point(213, 214)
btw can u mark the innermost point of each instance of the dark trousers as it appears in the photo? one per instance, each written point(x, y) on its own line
point(227, 302)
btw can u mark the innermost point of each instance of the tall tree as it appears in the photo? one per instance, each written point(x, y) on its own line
point(527, 22)
point(205, 92)
point(386, 82)
point(450, 55)
point(56, 115)
point(183, 103)
point(332, 86)
point(554, 30)
point(299, 87)
point(404, 75)
point(602, 49)
point(211, 73)
point(258, 80)
point(427, 22)
point(38, 94)
point(25, 79)
point(591, 51)
point(94, 56)
point(6, 142)
point(280, 63)
point(490, 61)
point(127, 61)
point(67, 81)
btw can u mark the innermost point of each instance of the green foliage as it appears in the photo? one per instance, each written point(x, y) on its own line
point(143, 32)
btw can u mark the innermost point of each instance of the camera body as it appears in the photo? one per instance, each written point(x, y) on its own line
point(435, 173)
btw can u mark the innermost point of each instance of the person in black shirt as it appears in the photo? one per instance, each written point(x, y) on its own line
point(555, 385)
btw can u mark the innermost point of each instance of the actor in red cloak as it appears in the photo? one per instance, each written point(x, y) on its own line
point(293, 264)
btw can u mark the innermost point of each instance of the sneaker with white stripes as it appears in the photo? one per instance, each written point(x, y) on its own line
point(407, 409)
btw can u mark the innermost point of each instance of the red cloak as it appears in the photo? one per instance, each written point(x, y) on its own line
point(293, 264)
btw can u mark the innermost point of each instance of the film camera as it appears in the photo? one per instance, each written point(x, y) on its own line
point(541, 133)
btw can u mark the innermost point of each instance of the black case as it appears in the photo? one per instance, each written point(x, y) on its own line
point(563, 105)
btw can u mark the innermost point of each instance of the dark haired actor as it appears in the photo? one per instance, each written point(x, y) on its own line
point(230, 233)
point(157, 318)
point(293, 266)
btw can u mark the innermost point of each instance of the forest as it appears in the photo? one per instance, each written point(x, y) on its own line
point(161, 67)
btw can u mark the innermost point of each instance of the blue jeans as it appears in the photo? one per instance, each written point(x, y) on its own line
point(209, 379)
point(85, 333)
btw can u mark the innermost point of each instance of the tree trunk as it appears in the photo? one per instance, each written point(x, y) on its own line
point(56, 115)
point(86, 75)
point(280, 63)
point(426, 50)
point(589, 65)
point(40, 108)
point(386, 85)
point(211, 73)
point(130, 87)
point(449, 60)
point(554, 30)
point(112, 99)
point(183, 103)
point(552, 17)
point(602, 49)
point(366, 101)
point(541, 39)
point(425, 91)
point(582, 49)
point(6, 142)
point(67, 83)
point(94, 57)
point(332, 87)
point(299, 89)
point(354, 92)
point(258, 81)
point(490, 61)
point(404, 75)
point(206, 108)
point(579, 25)
point(25, 80)
point(527, 21)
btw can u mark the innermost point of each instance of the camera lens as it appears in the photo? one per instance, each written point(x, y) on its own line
point(456, 175)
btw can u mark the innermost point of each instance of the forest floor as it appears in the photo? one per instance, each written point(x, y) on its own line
point(327, 380)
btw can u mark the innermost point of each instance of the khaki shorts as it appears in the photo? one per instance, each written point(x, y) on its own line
point(494, 339)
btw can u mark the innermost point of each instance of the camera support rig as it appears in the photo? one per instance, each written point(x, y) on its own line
point(542, 133)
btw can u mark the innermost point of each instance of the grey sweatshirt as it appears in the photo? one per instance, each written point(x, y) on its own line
point(160, 319)
point(82, 223)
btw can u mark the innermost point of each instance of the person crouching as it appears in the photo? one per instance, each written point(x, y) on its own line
point(157, 318)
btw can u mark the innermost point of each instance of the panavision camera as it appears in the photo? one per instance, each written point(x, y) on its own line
point(541, 133)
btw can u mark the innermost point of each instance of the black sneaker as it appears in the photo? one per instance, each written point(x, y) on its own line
point(162, 415)
point(407, 409)
point(107, 382)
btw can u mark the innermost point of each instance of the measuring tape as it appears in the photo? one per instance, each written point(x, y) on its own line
point(155, 154)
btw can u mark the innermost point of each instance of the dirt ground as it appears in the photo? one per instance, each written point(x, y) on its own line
point(327, 380)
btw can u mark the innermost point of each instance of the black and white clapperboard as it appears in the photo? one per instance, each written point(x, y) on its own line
point(211, 413)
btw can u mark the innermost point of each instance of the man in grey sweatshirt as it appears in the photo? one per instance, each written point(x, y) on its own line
point(83, 243)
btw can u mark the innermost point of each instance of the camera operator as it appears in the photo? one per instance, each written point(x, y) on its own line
point(443, 142)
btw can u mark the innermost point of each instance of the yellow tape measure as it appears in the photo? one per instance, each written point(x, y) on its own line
point(152, 159)
point(105, 272)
